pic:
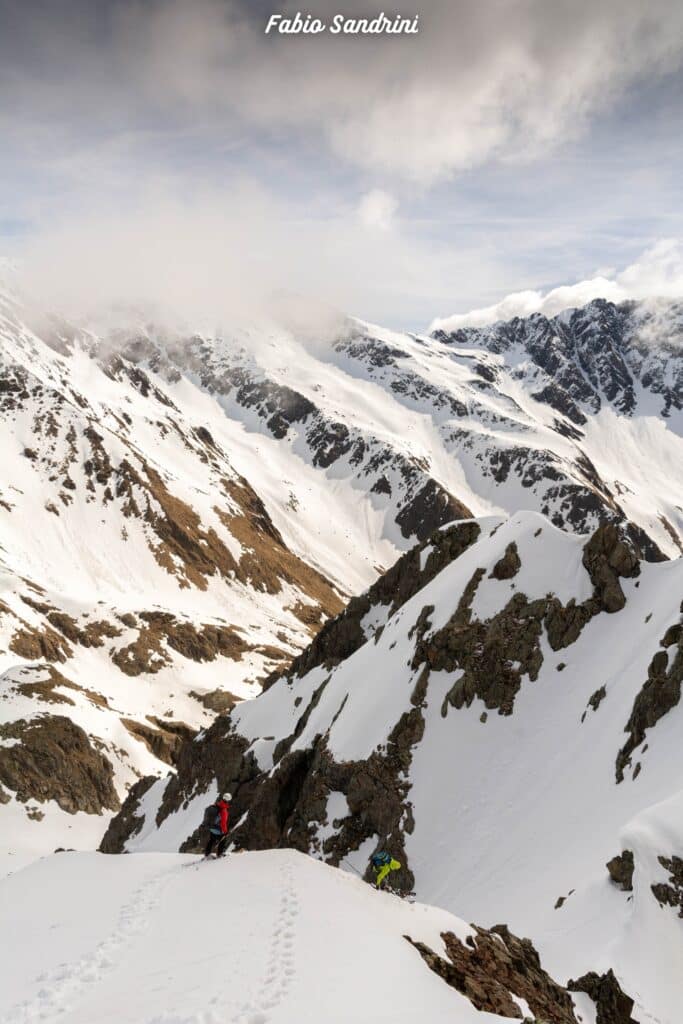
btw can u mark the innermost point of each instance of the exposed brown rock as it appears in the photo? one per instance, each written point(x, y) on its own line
point(43, 686)
point(606, 557)
point(509, 565)
point(565, 622)
point(161, 630)
point(286, 805)
point(39, 644)
point(267, 562)
point(492, 655)
point(595, 700)
point(495, 965)
point(612, 1004)
point(671, 893)
point(309, 614)
point(220, 701)
point(621, 870)
point(91, 634)
point(55, 760)
point(163, 739)
point(185, 549)
point(660, 693)
point(38, 606)
point(144, 654)
point(204, 644)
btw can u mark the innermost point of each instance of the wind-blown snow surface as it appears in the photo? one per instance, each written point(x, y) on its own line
point(260, 938)
point(514, 811)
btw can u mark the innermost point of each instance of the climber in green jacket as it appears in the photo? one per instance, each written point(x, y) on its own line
point(382, 863)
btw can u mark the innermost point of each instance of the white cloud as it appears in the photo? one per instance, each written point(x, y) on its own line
point(231, 253)
point(480, 80)
point(377, 210)
point(657, 273)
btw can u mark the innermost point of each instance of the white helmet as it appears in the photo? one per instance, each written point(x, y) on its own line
point(227, 797)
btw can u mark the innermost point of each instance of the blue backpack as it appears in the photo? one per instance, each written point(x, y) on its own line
point(378, 860)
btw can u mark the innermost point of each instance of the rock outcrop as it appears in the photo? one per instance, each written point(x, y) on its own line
point(621, 870)
point(612, 1005)
point(53, 759)
point(494, 655)
point(494, 965)
point(344, 634)
point(660, 693)
point(670, 893)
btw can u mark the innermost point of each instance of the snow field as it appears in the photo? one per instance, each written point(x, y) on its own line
point(255, 938)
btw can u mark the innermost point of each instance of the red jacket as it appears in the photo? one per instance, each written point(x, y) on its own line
point(224, 812)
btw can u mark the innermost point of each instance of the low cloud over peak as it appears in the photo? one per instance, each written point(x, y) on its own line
point(658, 273)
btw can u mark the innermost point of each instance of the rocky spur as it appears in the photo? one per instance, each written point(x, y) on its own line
point(308, 24)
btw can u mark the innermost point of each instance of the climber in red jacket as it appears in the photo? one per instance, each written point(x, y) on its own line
point(217, 817)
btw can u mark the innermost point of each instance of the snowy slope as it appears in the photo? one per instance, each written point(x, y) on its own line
point(143, 585)
point(506, 729)
point(256, 939)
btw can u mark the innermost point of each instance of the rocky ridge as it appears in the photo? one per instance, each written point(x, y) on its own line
point(513, 615)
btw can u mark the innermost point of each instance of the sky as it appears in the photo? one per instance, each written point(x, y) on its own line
point(513, 155)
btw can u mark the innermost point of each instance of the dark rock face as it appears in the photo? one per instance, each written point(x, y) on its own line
point(287, 805)
point(493, 655)
point(598, 356)
point(127, 823)
point(660, 693)
point(343, 635)
point(557, 398)
point(593, 357)
point(607, 557)
point(495, 965)
point(595, 700)
point(431, 508)
point(54, 760)
point(612, 1004)
point(509, 565)
point(621, 870)
point(670, 893)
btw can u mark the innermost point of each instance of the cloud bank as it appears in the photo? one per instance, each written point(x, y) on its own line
point(480, 80)
point(658, 273)
point(230, 255)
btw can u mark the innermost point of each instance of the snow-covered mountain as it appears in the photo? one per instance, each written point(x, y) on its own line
point(502, 712)
point(579, 417)
point(180, 512)
point(143, 584)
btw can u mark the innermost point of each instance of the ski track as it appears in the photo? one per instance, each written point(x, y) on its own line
point(60, 988)
point(279, 971)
